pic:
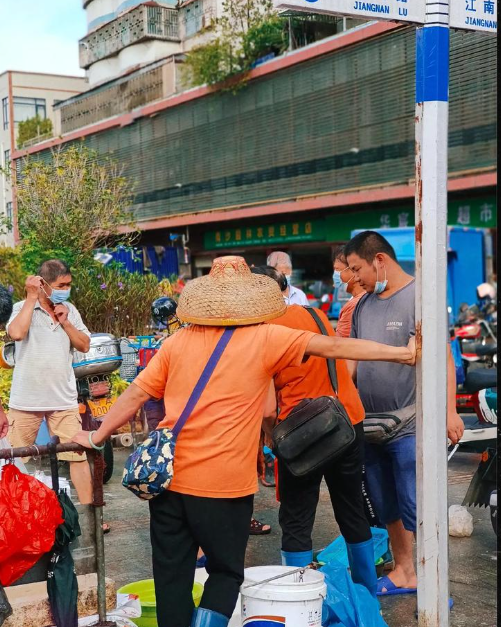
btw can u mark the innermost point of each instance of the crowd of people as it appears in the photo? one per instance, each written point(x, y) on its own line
point(275, 358)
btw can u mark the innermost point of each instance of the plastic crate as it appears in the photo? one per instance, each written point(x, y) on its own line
point(145, 356)
point(337, 549)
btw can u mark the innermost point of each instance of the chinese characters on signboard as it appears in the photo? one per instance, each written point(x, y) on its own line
point(474, 213)
point(300, 231)
point(474, 15)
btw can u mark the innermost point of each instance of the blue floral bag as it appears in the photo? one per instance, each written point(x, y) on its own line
point(149, 470)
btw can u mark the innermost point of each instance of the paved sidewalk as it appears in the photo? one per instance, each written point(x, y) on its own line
point(472, 560)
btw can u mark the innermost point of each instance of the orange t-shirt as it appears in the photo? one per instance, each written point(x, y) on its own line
point(216, 451)
point(311, 379)
point(343, 328)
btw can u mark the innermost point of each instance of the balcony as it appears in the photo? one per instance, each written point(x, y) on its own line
point(121, 95)
point(144, 23)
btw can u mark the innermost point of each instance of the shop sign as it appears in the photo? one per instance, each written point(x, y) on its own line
point(475, 213)
point(280, 233)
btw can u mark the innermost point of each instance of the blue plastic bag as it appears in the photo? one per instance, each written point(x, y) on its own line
point(347, 604)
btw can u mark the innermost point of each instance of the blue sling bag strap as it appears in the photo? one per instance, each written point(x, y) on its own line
point(149, 470)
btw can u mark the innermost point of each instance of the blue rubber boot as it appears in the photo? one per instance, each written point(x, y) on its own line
point(208, 618)
point(296, 558)
point(361, 559)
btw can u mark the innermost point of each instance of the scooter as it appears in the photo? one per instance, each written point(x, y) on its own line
point(92, 372)
point(480, 427)
point(484, 356)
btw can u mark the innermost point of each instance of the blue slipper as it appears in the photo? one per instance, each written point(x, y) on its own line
point(391, 588)
point(451, 605)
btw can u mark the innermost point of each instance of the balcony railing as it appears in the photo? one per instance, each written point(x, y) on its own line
point(141, 24)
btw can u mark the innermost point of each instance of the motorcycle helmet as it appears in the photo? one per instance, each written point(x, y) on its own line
point(5, 305)
point(163, 310)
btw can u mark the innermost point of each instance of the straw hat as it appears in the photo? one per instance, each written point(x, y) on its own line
point(230, 295)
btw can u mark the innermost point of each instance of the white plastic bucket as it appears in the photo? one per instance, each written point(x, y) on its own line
point(292, 601)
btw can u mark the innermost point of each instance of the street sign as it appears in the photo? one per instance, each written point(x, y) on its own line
point(464, 14)
point(400, 10)
point(474, 15)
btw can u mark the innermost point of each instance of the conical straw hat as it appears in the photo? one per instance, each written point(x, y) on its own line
point(230, 295)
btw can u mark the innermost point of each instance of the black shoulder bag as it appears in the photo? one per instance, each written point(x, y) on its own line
point(317, 431)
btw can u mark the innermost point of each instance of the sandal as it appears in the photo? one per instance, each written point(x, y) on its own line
point(258, 528)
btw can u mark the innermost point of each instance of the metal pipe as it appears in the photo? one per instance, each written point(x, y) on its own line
point(39, 451)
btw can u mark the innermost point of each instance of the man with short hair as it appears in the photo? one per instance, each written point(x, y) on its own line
point(47, 329)
point(282, 263)
point(386, 314)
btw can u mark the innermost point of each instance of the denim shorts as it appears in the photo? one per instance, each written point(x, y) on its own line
point(391, 479)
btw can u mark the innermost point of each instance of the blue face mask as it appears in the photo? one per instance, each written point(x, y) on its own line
point(336, 278)
point(380, 286)
point(59, 296)
point(288, 279)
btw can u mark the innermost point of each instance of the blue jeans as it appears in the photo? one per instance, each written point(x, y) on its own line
point(391, 477)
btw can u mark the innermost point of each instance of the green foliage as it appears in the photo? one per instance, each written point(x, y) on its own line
point(247, 31)
point(5, 383)
point(33, 127)
point(112, 300)
point(11, 274)
point(71, 205)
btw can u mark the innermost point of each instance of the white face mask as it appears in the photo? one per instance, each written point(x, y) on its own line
point(288, 279)
point(380, 286)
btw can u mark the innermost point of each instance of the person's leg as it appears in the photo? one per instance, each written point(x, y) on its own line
point(174, 552)
point(23, 427)
point(401, 532)
point(344, 481)
point(298, 505)
point(221, 528)
point(381, 481)
point(66, 424)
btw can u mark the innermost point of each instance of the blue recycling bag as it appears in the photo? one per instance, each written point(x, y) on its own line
point(347, 604)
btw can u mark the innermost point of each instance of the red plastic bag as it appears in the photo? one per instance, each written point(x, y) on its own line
point(29, 516)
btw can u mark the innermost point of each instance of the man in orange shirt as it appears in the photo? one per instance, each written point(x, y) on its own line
point(344, 276)
point(299, 495)
point(210, 499)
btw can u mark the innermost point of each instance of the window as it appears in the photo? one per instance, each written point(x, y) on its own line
point(10, 215)
point(26, 108)
point(5, 111)
point(6, 158)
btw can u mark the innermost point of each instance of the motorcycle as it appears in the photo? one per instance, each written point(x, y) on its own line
point(480, 427)
point(92, 372)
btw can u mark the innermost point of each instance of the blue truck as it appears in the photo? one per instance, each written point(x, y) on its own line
point(465, 265)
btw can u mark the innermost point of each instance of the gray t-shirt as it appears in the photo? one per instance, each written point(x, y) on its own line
point(43, 378)
point(385, 386)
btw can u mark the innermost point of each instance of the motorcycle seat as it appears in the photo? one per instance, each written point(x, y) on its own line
point(485, 350)
point(480, 379)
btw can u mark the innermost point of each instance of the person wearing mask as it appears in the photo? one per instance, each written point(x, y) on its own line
point(283, 264)
point(299, 495)
point(387, 314)
point(209, 502)
point(344, 276)
point(47, 329)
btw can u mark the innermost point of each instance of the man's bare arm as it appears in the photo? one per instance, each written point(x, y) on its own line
point(361, 350)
